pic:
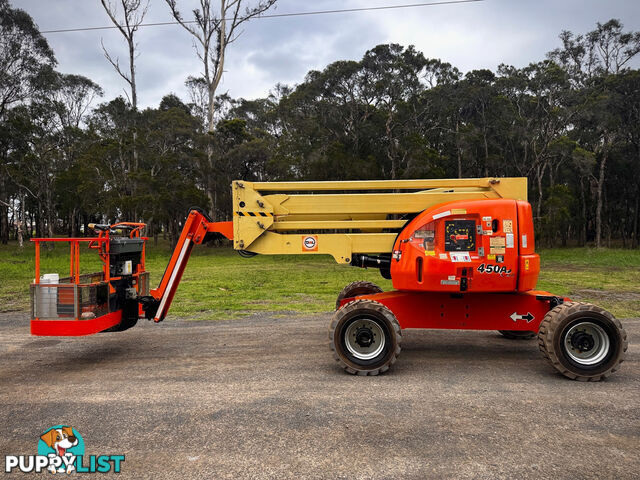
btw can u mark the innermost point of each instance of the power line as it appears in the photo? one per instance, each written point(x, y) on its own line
point(279, 15)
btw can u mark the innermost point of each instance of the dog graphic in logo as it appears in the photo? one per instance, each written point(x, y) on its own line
point(64, 442)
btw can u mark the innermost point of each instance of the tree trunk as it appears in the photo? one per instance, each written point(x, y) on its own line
point(583, 198)
point(132, 69)
point(4, 225)
point(539, 176)
point(458, 151)
point(599, 197)
point(390, 153)
point(20, 222)
point(74, 223)
point(222, 47)
point(636, 214)
point(4, 213)
point(51, 218)
point(211, 181)
point(486, 153)
point(211, 108)
point(20, 234)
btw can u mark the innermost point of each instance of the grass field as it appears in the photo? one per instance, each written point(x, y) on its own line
point(218, 283)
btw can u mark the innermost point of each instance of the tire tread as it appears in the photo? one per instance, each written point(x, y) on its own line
point(381, 309)
point(361, 287)
point(548, 328)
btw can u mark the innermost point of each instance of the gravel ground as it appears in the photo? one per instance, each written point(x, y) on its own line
point(261, 397)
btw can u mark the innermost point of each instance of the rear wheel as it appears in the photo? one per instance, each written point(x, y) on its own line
point(517, 334)
point(365, 337)
point(582, 341)
point(357, 288)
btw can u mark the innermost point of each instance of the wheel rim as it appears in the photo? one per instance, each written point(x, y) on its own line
point(586, 343)
point(364, 339)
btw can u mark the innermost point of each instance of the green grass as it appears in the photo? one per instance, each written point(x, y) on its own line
point(609, 278)
point(220, 284)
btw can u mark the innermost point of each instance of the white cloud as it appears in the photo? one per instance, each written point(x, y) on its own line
point(470, 36)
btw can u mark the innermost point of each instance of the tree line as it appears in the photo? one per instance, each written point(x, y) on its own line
point(569, 122)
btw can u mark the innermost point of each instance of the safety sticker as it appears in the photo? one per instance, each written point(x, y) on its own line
point(443, 256)
point(449, 282)
point(507, 226)
point(430, 253)
point(491, 257)
point(443, 214)
point(458, 211)
point(451, 277)
point(497, 241)
point(486, 219)
point(310, 243)
point(524, 241)
point(481, 251)
point(500, 258)
point(497, 245)
point(253, 214)
point(510, 242)
point(487, 232)
point(460, 256)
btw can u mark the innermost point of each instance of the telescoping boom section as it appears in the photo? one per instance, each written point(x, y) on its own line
point(343, 218)
point(459, 252)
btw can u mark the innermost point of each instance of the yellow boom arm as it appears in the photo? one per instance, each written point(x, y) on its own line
point(343, 218)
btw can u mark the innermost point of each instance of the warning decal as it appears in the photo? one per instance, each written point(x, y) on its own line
point(310, 243)
point(460, 257)
point(497, 245)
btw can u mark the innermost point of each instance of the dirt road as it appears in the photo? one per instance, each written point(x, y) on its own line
point(261, 397)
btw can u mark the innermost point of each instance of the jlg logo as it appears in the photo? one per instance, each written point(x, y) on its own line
point(310, 243)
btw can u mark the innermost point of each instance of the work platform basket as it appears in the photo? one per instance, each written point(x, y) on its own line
point(79, 304)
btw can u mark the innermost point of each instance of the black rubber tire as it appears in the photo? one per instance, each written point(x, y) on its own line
point(560, 319)
point(125, 324)
point(357, 288)
point(387, 321)
point(129, 318)
point(518, 334)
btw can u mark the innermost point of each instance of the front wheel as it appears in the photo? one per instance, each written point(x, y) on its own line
point(365, 337)
point(582, 341)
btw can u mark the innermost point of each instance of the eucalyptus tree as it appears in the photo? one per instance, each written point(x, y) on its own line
point(213, 30)
point(591, 58)
point(393, 76)
point(26, 60)
point(126, 16)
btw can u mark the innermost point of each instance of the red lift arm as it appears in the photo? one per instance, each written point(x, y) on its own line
point(195, 231)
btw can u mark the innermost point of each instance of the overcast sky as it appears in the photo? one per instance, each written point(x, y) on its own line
point(470, 36)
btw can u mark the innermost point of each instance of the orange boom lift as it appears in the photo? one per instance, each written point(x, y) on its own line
point(460, 254)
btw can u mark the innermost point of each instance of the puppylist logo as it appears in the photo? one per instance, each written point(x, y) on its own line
point(61, 450)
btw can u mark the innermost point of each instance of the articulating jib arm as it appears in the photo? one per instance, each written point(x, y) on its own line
point(197, 228)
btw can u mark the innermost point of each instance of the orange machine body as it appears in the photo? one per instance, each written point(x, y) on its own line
point(467, 246)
